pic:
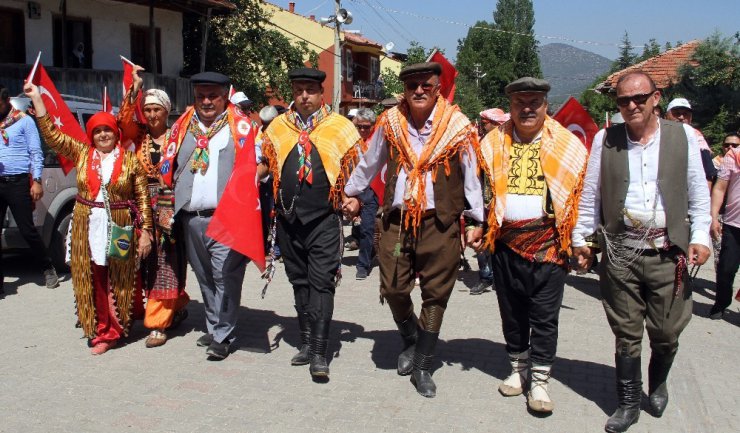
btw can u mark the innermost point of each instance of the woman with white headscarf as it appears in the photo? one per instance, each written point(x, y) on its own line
point(163, 273)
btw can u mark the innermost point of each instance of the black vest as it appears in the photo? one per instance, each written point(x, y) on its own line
point(672, 181)
point(313, 200)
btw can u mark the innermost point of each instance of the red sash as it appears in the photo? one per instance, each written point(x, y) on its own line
point(93, 170)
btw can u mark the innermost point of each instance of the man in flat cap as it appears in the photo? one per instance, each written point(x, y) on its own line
point(644, 179)
point(428, 145)
point(199, 159)
point(310, 152)
point(536, 169)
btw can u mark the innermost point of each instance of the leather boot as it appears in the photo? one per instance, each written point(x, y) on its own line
point(658, 370)
point(304, 325)
point(629, 392)
point(421, 376)
point(319, 369)
point(407, 328)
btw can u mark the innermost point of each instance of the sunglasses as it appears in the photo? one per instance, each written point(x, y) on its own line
point(730, 144)
point(363, 127)
point(413, 85)
point(640, 99)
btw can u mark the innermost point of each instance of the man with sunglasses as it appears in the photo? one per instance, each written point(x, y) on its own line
point(644, 177)
point(309, 150)
point(535, 167)
point(432, 171)
point(679, 110)
point(727, 190)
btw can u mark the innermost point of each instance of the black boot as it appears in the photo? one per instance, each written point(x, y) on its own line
point(421, 376)
point(629, 392)
point(407, 328)
point(319, 369)
point(304, 324)
point(658, 370)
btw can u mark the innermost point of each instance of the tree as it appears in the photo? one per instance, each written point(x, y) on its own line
point(627, 55)
point(597, 104)
point(510, 53)
point(237, 47)
point(651, 49)
point(711, 82)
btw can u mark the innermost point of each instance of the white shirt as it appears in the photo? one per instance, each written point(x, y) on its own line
point(205, 186)
point(97, 234)
point(641, 193)
point(374, 160)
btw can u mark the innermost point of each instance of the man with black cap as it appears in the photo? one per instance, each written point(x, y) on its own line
point(428, 145)
point(199, 159)
point(536, 168)
point(310, 151)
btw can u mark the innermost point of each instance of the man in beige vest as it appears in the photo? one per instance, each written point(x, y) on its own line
point(428, 145)
point(644, 178)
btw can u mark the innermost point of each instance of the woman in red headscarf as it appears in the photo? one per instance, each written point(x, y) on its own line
point(103, 286)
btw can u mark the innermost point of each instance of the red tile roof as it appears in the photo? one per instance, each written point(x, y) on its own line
point(358, 39)
point(663, 68)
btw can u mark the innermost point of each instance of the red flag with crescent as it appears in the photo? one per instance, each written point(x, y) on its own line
point(57, 109)
point(573, 116)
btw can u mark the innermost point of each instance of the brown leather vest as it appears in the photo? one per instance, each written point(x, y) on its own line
point(449, 192)
point(672, 182)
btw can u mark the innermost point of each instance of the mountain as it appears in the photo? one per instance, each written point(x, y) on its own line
point(570, 70)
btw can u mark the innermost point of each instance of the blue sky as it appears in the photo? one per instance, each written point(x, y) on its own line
point(594, 25)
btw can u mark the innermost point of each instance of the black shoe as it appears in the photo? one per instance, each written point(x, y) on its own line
point(51, 278)
point(178, 318)
point(361, 274)
point(304, 324)
point(319, 368)
point(421, 376)
point(408, 331)
point(482, 287)
point(658, 370)
point(205, 340)
point(629, 394)
point(218, 350)
point(716, 314)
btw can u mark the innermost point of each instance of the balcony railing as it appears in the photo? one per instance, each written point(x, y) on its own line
point(366, 90)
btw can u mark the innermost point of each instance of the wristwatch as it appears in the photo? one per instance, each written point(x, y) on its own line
point(37, 180)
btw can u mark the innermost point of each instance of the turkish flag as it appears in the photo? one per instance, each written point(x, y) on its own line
point(378, 184)
point(107, 106)
point(128, 80)
point(573, 116)
point(57, 109)
point(237, 222)
point(447, 79)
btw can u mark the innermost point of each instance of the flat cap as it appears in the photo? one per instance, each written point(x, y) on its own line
point(210, 78)
point(389, 102)
point(420, 68)
point(307, 74)
point(527, 84)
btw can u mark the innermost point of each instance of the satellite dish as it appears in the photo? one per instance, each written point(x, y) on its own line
point(344, 16)
point(389, 46)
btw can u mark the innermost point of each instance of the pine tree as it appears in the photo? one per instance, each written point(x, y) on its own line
point(627, 55)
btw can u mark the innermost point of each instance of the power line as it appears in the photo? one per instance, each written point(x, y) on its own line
point(375, 11)
point(400, 26)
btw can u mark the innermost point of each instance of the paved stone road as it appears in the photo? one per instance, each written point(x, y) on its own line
point(49, 382)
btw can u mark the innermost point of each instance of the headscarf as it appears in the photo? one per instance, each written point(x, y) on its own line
point(159, 97)
point(101, 118)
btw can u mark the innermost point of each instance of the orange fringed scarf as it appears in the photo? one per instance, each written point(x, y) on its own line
point(563, 158)
point(451, 133)
point(336, 140)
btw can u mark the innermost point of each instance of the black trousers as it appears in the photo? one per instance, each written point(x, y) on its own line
point(729, 259)
point(311, 254)
point(529, 297)
point(16, 195)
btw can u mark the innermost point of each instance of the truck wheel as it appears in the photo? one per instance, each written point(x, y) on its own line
point(57, 247)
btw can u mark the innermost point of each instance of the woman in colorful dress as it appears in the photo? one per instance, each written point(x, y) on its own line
point(103, 285)
point(163, 273)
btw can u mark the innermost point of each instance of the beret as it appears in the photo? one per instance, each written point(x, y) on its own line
point(307, 74)
point(527, 84)
point(420, 68)
point(210, 78)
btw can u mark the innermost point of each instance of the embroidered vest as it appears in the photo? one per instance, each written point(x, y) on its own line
point(672, 181)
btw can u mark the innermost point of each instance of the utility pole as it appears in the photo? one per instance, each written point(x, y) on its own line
point(478, 75)
point(337, 97)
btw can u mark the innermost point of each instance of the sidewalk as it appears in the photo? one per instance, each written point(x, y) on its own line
point(51, 383)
